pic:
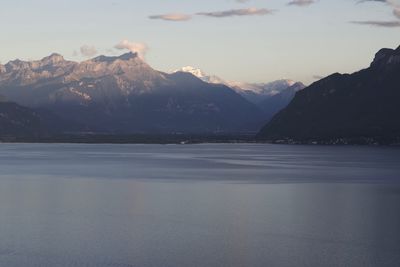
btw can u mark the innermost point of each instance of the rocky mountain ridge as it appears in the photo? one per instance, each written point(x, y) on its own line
point(359, 106)
point(125, 95)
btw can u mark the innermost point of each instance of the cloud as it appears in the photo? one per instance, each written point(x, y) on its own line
point(395, 5)
point(237, 12)
point(242, 1)
point(301, 2)
point(387, 24)
point(363, 1)
point(318, 77)
point(88, 50)
point(172, 17)
point(396, 12)
point(139, 48)
point(382, 1)
point(392, 3)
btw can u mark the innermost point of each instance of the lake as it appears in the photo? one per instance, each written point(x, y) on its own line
point(208, 205)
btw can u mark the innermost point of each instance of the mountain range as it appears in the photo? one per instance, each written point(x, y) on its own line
point(123, 94)
point(270, 97)
point(363, 107)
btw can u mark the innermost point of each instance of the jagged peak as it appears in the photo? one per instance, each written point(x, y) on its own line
point(195, 71)
point(49, 60)
point(124, 57)
point(54, 55)
point(382, 53)
point(16, 64)
point(386, 56)
point(53, 58)
point(16, 61)
point(129, 56)
point(298, 86)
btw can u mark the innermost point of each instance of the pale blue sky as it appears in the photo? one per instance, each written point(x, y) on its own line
point(293, 42)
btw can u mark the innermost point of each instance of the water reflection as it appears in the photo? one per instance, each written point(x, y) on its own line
point(205, 205)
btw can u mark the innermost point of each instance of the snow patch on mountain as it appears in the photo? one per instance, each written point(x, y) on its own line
point(254, 92)
point(201, 75)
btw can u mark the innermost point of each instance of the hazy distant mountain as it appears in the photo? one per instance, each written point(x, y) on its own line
point(270, 97)
point(254, 92)
point(363, 105)
point(202, 76)
point(275, 103)
point(125, 95)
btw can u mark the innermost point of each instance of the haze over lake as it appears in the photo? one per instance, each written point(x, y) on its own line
point(208, 205)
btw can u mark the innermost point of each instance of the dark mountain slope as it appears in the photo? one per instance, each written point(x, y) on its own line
point(17, 121)
point(363, 105)
point(272, 105)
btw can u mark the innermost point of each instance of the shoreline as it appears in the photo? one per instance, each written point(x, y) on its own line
point(184, 139)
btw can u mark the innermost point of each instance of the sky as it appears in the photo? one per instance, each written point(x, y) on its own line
point(240, 40)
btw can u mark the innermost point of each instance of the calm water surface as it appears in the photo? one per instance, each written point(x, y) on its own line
point(199, 205)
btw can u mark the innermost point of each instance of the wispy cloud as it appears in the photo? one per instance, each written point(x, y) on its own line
point(382, 1)
point(88, 50)
point(396, 12)
point(301, 2)
point(139, 48)
point(388, 24)
point(393, 3)
point(318, 77)
point(172, 17)
point(237, 12)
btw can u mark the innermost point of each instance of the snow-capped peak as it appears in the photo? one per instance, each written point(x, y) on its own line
point(202, 75)
point(196, 72)
point(269, 89)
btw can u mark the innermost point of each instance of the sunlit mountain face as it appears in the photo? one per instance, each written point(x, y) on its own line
point(124, 94)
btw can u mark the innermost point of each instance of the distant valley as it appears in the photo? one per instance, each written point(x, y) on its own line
point(269, 97)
